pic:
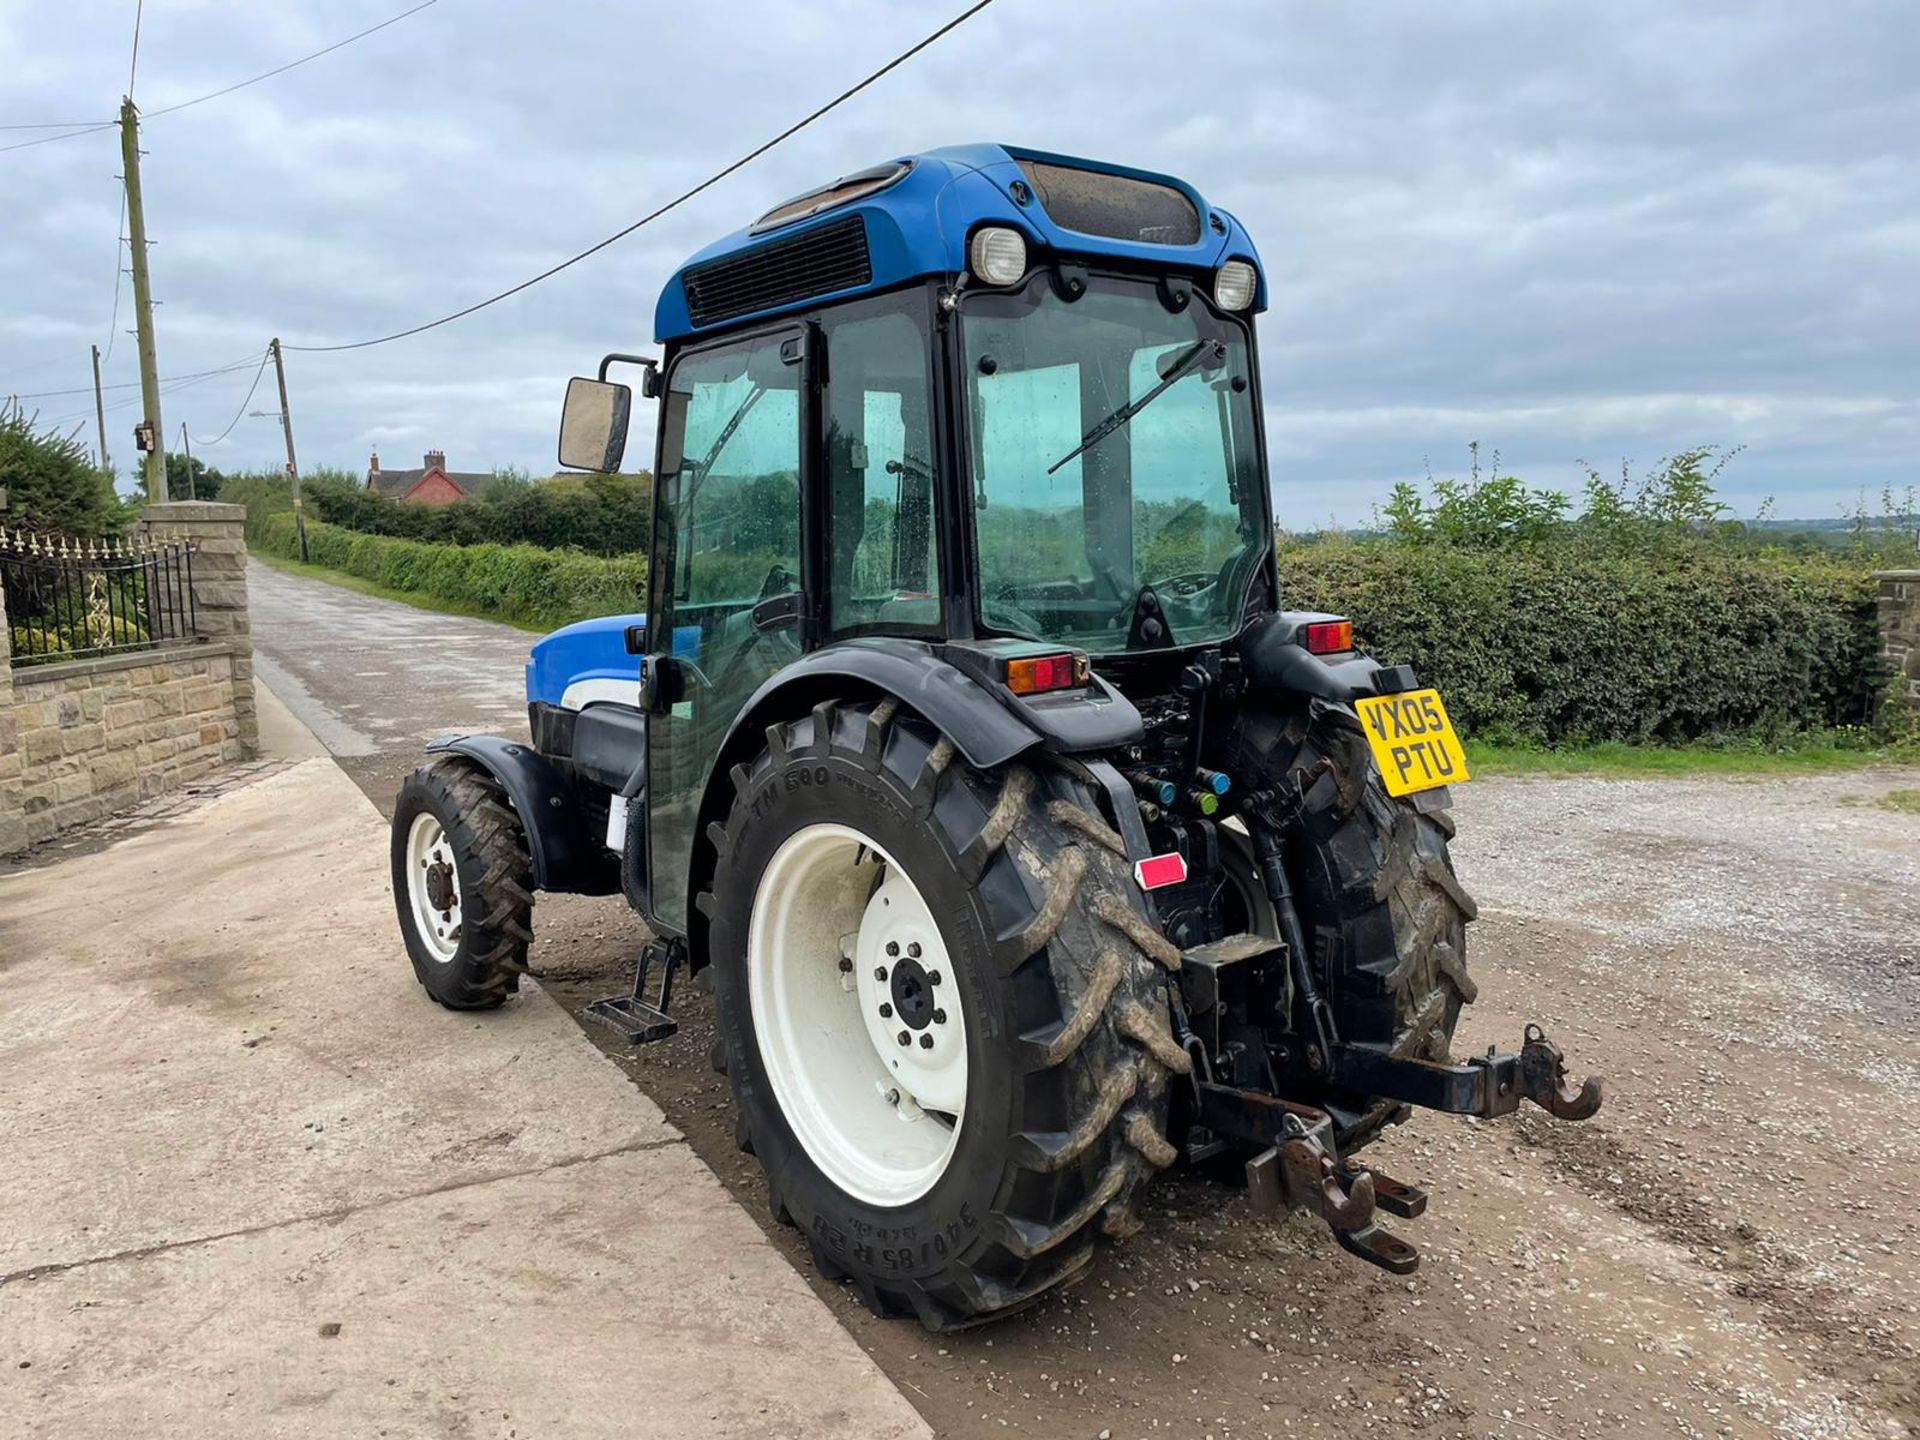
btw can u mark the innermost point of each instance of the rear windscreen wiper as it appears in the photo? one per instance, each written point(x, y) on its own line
point(1202, 350)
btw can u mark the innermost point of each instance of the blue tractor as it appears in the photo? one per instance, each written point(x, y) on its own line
point(1029, 845)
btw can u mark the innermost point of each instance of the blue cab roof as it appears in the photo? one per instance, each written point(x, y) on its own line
point(919, 226)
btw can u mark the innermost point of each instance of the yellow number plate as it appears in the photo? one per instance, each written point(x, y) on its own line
point(1413, 741)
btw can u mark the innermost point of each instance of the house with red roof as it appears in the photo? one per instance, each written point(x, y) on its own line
point(431, 484)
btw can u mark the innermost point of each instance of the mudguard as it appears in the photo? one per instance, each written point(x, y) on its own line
point(567, 855)
point(1276, 660)
point(983, 730)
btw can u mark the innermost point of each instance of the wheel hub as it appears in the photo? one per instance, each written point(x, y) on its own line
point(433, 887)
point(913, 994)
point(440, 885)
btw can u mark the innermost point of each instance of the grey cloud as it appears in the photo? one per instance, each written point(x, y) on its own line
point(1570, 232)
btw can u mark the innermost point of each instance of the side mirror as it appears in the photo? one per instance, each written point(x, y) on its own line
point(593, 424)
point(637, 639)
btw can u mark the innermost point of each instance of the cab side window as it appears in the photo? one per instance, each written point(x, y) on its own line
point(881, 551)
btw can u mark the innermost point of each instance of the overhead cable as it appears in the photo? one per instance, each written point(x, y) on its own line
point(672, 204)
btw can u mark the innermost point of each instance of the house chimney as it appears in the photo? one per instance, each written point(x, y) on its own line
point(436, 460)
point(373, 469)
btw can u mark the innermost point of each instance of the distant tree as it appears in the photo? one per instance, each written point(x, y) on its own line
point(195, 480)
point(51, 481)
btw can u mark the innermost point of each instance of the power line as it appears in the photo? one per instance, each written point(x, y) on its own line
point(291, 64)
point(183, 382)
point(113, 325)
point(672, 204)
point(59, 125)
point(69, 135)
point(265, 356)
point(139, 9)
point(134, 384)
point(92, 127)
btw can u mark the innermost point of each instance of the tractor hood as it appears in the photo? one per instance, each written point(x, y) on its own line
point(581, 663)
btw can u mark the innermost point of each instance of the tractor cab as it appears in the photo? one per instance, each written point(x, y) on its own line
point(981, 397)
point(1030, 847)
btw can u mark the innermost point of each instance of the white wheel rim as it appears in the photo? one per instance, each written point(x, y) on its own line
point(438, 925)
point(880, 1119)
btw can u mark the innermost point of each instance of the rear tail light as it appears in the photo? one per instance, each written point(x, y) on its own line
point(1329, 637)
point(1038, 674)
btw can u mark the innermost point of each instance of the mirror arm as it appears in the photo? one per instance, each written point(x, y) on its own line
point(649, 384)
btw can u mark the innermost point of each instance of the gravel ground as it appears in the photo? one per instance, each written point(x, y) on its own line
point(1725, 1250)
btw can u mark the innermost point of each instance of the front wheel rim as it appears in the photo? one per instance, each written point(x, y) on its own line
point(433, 888)
point(857, 1013)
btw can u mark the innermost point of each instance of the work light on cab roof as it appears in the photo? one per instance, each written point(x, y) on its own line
point(1031, 846)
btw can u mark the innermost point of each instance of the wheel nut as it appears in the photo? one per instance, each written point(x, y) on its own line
point(905, 1039)
point(913, 950)
point(886, 1012)
point(846, 966)
point(933, 977)
point(939, 1017)
point(880, 972)
point(926, 1042)
point(893, 947)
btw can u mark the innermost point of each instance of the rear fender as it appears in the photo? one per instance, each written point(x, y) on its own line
point(1278, 661)
point(567, 855)
point(986, 732)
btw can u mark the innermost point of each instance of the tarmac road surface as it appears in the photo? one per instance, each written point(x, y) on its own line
point(1728, 1249)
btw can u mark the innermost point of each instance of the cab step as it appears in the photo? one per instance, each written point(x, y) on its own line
point(635, 1018)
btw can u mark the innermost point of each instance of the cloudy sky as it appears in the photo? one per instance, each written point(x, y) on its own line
point(1571, 233)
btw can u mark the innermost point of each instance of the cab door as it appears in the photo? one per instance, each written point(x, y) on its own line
point(728, 553)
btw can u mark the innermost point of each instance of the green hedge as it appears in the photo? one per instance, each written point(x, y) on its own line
point(1556, 643)
point(517, 583)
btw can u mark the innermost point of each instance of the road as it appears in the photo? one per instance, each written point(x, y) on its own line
point(1727, 1250)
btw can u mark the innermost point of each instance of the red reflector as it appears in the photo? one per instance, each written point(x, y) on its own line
point(1329, 637)
point(1038, 674)
point(1160, 870)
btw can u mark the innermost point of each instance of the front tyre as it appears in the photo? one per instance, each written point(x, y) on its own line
point(462, 884)
point(948, 1046)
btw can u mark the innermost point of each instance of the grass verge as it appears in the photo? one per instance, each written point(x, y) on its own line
point(1813, 754)
point(415, 598)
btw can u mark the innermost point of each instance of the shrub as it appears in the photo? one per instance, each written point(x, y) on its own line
point(1545, 644)
point(599, 514)
point(50, 480)
point(519, 583)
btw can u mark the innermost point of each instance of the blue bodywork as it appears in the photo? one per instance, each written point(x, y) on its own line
point(919, 226)
point(589, 650)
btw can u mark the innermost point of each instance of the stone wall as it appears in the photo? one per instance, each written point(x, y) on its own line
point(97, 736)
point(81, 739)
point(1900, 628)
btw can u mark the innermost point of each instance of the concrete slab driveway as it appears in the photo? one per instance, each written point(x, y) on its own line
point(252, 1183)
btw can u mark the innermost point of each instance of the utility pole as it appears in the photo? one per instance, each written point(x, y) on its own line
point(100, 413)
point(143, 301)
point(293, 465)
point(186, 443)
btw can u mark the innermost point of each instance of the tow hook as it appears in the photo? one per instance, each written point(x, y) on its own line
point(1543, 1080)
point(1301, 1173)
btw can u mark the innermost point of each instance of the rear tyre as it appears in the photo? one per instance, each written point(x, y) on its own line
point(462, 884)
point(962, 1173)
point(1379, 903)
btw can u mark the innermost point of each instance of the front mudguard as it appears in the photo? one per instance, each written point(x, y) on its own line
point(567, 855)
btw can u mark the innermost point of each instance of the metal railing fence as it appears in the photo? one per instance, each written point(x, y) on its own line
point(73, 598)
